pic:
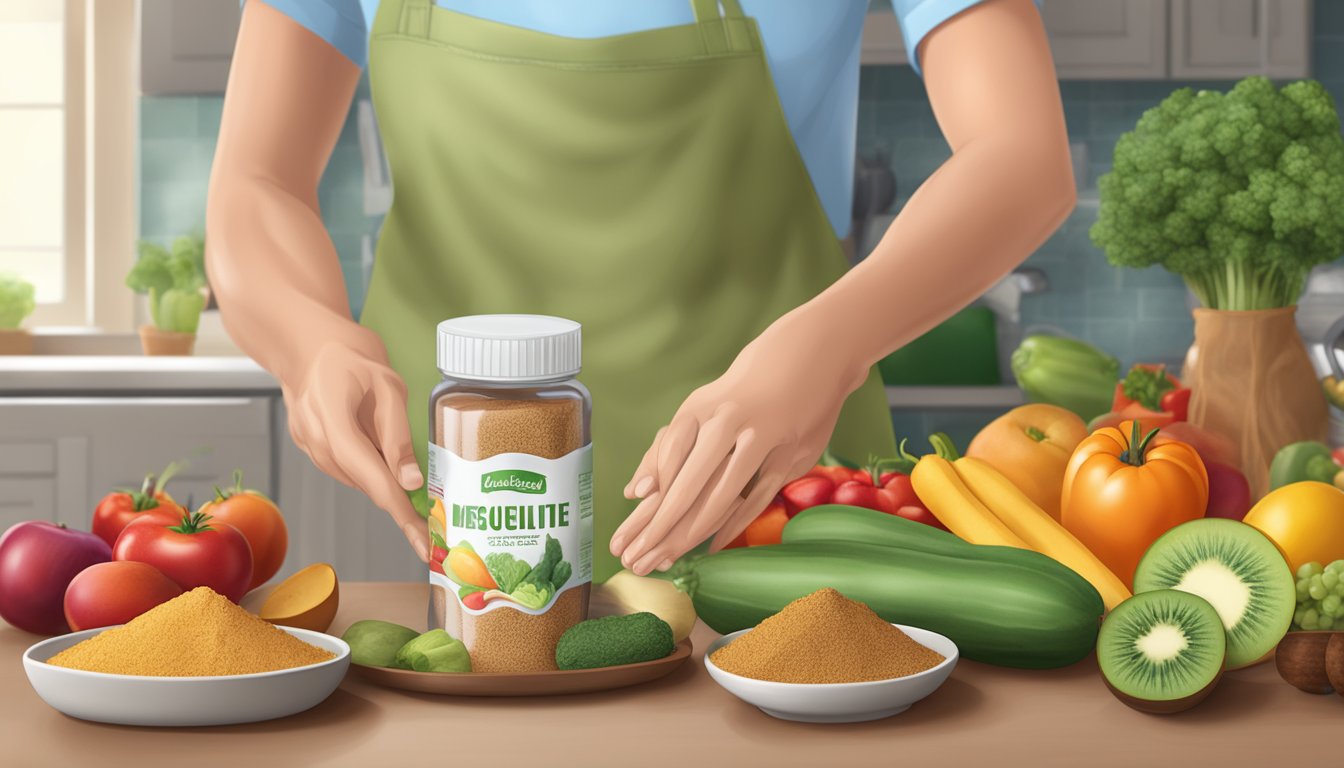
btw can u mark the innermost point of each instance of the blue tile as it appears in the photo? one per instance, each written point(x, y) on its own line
point(163, 117)
point(1328, 18)
point(174, 160)
point(170, 209)
point(208, 111)
point(1328, 59)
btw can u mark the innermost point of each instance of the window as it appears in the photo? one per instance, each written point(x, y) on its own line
point(41, 190)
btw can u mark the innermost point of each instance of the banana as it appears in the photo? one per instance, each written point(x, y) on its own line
point(1033, 526)
point(948, 498)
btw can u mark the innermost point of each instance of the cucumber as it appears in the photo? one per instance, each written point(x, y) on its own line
point(997, 611)
point(843, 523)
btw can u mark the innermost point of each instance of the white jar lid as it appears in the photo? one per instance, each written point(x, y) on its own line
point(509, 347)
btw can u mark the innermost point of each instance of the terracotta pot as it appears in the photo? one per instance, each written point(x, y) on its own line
point(16, 341)
point(1251, 381)
point(157, 342)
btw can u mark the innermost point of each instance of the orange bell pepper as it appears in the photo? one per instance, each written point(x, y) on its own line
point(1031, 446)
point(1122, 491)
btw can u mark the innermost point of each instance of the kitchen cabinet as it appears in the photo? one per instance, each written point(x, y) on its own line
point(1235, 38)
point(1108, 39)
point(60, 455)
point(1152, 39)
point(332, 522)
point(186, 45)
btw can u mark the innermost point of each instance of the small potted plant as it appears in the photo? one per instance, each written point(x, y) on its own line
point(16, 303)
point(173, 279)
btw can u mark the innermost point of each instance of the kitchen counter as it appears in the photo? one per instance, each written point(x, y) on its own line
point(982, 716)
point(131, 375)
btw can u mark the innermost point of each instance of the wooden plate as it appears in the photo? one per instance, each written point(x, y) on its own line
point(526, 683)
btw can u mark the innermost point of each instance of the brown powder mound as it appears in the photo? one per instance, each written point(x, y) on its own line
point(196, 634)
point(825, 638)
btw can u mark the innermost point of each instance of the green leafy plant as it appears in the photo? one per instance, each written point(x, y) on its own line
point(173, 279)
point(16, 300)
point(507, 570)
point(1239, 193)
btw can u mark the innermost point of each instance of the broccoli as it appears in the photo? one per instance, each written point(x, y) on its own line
point(1239, 193)
point(16, 300)
point(614, 640)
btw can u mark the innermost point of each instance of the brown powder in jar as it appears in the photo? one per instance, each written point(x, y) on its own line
point(825, 638)
point(196, 634)
point(476, 428)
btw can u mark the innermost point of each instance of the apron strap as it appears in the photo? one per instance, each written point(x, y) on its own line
point(722, 31)
point(415, 17)
point(705, 10)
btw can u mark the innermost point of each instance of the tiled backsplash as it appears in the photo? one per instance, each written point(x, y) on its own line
point(177, 146)
point(1136, 315)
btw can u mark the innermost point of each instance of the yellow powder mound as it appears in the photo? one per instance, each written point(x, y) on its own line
point(197, 634)
point(825, 638)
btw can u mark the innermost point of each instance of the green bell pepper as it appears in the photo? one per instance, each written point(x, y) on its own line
point(1307, 460)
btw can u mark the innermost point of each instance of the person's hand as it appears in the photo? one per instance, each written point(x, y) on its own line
point(348, 413)
point(733, 444)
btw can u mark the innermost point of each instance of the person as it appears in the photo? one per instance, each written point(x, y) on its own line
point(674, 175)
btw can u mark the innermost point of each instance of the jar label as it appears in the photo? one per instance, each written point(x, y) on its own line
point(511, 531)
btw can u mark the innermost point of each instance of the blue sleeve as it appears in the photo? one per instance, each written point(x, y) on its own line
point(920, 17)
point(340, 22)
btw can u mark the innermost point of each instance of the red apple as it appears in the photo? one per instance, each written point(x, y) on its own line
point(37, 561)
point(107, 594)
point(1229, 493)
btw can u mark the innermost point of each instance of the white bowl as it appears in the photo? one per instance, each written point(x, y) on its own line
point(223, 700)
point(839, 702)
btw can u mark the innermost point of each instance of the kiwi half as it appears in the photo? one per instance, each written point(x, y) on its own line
point(1234, 567)
point(1162, 651)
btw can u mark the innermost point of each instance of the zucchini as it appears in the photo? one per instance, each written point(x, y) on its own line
point(996, 610)
point(843, 523)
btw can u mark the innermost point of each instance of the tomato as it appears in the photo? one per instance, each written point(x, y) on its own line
point(836, 475)
point(807, 492)
point(475, 601)
point(920, 515)
point(902, 490)
point(1305, 520)
point(857, 494)
point(767, 527)
point(1122, 491)
point(198, 552)
point(107, 594)
point(260, 522)
point(121, 508)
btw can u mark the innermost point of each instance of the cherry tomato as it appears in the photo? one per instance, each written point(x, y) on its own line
point(767, 527)
point(920, 515)
point(902, 489)
point(197, 552)
point(260, 522)
point(807, 492)
point(857, 494)
point(475, 601)
point(836, 475)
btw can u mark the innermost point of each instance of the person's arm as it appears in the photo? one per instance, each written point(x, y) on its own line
point(1007, 186)
point(275, 271)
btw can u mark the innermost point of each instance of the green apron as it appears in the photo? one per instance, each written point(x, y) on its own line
point(645, 185)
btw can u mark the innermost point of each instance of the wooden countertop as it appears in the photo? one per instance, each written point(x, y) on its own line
point(982, 716)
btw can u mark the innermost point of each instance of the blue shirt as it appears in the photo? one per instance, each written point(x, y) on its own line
point(812, 47)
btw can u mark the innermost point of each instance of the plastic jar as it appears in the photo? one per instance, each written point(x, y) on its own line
point(511, 481)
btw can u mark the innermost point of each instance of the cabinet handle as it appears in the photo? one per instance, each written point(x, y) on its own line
point(129, 401)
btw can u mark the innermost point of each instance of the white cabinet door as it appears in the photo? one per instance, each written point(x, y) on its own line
point(1236, 38)
point(60, 455)
point(331, 522)
point(186, 45)
point(1108, 39)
